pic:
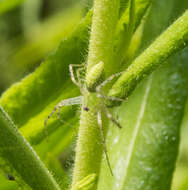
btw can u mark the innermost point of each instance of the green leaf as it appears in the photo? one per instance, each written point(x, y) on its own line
point(86, 183)
point(127, 26)
point(180, 179)
point(144, 152)
point(40, 91)
point(50, 83)
point(6, 5)
point(44, 38)
point(172, 40)
point(58, 141)
point(15, 149)
point(123, 6)
point(59, 174)
point(6, 184)
point(133, 14)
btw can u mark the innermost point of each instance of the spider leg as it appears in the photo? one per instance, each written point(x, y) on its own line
point(59, 114)
point(71, 66)
point(80, 79)
point(101, 95)
point(67, 102)
point(112, 119)
point(99, 119)
point(100, 92)
point(47, 119)
point(50, 115)
point(78, 75)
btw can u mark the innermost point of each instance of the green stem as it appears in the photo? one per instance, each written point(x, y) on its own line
point(15, 149)
point(102, 33)
point(172, 40)
point(89, 147)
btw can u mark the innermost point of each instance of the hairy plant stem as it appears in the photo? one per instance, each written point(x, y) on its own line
point(89, 145)
point(172, 40)
point(104, 22)
point(15, 149)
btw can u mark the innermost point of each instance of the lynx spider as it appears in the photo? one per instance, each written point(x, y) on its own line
point(79, 101)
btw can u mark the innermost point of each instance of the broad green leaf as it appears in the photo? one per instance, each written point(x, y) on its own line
point(46, 83)
point(50, 149)
point(6, 184)
point(35, 130)
point(184, 185)
point(6, 5)
point(180, 174)
point(180, 178)
point(58, 141)
point(50, 83)
point(144, 152)
point(171, 41)
point(42, 90)
point(58, 173)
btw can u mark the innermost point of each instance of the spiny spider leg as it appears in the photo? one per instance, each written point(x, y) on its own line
point(67, 102)
point(72, 74)
point(99, 88)
point(111, 118)
point(101, 95)
point(78, 75)
point(61, 120)
point(70, 101)
point(81, 84)
point(79, 78)
point(59, 114)
point(50, 115)
point(99, 120)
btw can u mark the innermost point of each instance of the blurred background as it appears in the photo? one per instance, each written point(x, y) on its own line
point(29, 31)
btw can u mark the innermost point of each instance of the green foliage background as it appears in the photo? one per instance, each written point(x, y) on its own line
point(47, 33)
